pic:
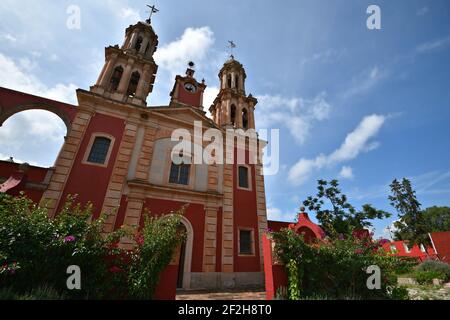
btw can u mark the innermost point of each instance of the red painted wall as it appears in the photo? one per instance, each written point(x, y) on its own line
point(245, 216)
point(275, 275)
point(415, 250)
point(192, 99)
point(277, 225)
point(441, 242)
point(195, 213)
point(89, 181)
point(34, 174)
point(11, 99)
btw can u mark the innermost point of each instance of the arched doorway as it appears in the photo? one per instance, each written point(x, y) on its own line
point(185, 257)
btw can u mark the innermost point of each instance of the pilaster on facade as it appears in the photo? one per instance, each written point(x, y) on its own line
point(63, 165)
point(210, 241)
point(260, 206)
point(119, 175)
point(227, 220)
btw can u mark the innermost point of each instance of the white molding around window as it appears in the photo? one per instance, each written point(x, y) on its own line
point(89, 148)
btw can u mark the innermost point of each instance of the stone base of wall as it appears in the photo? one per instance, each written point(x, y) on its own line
point(226, 280)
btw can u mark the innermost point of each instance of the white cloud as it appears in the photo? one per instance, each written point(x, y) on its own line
point(192, 45)
point(346, 173)
point(356, 142)
point(422, 11)
point(208, 97)
point(298, 114)
point(17, 77)
point(433, 45)
point(274, 213)
point(8, 37)
point(130, 14)
point(364, 82)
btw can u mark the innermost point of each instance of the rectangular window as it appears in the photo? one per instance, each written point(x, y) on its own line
point(243, 177)
point(245, 242)
point(99, 150)
point(179, 173)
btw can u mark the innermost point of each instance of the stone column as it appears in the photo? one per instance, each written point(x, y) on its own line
point(144, 45)
point(124, 82)
point(239, 115)
point(140, 91)
point(108, 70)
point(251, 116)
point(227, 218)
point(261, 208)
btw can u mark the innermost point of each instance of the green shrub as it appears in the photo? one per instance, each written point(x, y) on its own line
point(433, 265)
point(426, 277)
point(35, 252)
point(157, 243)
point(336, 270)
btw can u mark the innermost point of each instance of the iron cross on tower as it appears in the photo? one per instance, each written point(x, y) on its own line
point(152, 11)
point(231, 46)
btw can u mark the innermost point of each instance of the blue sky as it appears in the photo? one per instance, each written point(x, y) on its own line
point(364, 106)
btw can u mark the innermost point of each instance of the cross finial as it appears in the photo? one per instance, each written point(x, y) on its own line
point(152, 11)
point(231, 46)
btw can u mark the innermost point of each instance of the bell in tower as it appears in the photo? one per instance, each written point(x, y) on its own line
point(232, 108)
point(130, 70)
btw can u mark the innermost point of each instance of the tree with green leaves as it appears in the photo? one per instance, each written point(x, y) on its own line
point(414, 223)
point(336, 215)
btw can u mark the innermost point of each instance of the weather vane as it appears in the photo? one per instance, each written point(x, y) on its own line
point(152, 11)
point(231, 46)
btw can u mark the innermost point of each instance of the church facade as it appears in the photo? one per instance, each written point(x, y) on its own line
point(117, 155)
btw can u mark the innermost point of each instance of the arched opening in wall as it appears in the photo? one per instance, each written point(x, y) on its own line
point(138, 44)
point(132, 87)
point(244, 118)
point(233, 114)
point(236, 81)
point(115, 78)
point(229, 81)
point(33, 136)
point(181, 254)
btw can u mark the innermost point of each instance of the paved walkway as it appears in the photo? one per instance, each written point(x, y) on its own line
point(228, 295)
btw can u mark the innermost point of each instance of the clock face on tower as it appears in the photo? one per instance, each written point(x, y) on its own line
point(190, 87)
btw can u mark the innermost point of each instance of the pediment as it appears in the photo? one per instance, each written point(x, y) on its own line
point(184, 114)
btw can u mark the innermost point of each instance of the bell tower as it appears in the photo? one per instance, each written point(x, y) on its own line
point(130, 70)
point(232, 108)
point(187, 90)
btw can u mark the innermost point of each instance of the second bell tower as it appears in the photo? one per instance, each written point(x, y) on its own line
point(232, 108)
point(130, 70)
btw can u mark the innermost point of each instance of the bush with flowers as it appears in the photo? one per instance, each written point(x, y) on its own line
point(337, 268)
point(35, 251)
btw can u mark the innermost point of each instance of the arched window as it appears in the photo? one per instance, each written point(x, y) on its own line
point(99, 150)
point(132, 87)
point(229, 80)
point(244, 119)
point(115, 78)
point(233, 115)
point(138, 44)
point(236, 81)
